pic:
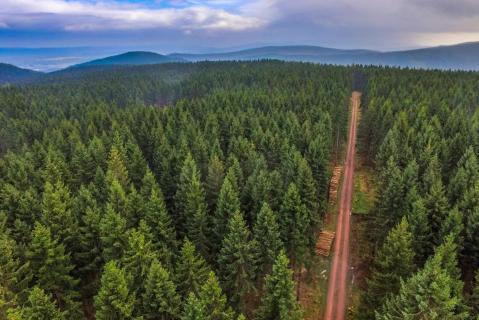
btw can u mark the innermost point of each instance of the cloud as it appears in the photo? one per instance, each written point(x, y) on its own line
point(113, 15)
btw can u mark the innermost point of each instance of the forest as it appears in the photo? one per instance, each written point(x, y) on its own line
point(196, 191)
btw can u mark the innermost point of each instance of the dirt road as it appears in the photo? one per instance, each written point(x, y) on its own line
point(337, 290)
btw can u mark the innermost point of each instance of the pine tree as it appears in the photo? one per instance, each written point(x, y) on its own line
point(279, 299)
point(435, 292)
point(158, 220)
point(51, 270)
point(473, 300)
point(39, 307)
point(191, 207)
point(113, 236)
point(160, 299)
point(228, 204)
point(469, 206)
point(268, 237)
point(137, 259)
point(237, 260)
point(191, 270)
point(437, 207)
point(214, 181)
point(13, 274)
point(394, 261)
point(193, 309)
point(421, 232)
point(117, 198)
point(294, 222)
point(116, 167)
point(114, 300)
point(466, 175)
point(213, 301)
point(57, 214)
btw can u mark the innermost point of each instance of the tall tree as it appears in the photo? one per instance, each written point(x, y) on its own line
point(51, 269)
point(191, 269)
point(228, 204)
point(38, 307)
point(114, 300)
point(279, 299)
point(113, 236)
point(394, 261)
point(435, 292)
point(268, 237)
point(237, 260)
point(160, 299)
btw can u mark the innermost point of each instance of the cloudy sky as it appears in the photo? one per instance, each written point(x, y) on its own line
point(202, 25)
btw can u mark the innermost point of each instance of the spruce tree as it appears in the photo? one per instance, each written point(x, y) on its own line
point(51, 269)
point(268, 237)
point(435, 292)
point(193, 309)
point(38, 307)
point(114, 300)
point(160, 299)
point(191, 209)
point(137, 259)
point(237, 260)
point(113, 236)
point(394, 261)
point(213, 300)
point(421, 232)
point(279, 298)
point(214, 181)
point(116, 167)
point(191, 269)
point(228, 204)
point(158, 219)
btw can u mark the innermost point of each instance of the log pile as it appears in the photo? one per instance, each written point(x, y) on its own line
point(334, 184)
point(324, 243)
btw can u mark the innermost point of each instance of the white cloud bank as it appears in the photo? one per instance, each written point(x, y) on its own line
point(113, 15)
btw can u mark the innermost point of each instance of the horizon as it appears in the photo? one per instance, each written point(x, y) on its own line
point(202, 26)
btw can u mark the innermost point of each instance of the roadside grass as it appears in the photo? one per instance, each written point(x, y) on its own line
point(361, 249)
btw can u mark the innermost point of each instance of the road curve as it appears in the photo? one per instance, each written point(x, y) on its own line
point(337, 288)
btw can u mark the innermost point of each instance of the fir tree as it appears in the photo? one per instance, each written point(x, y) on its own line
point(213, 301)
point(214, 181)
point(191, 269)
point(237, 260)
point(394, 261)
point(39, 307)
point(51, 270)
point(193, 309)
point(114, 300)
point(228, 204)
point(435, 292)
point(160, 299)
point(268, 237)
point(113, 235)
point(279, 299)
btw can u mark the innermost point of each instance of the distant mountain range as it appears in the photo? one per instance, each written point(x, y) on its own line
point(12, 74)
point(132, 58)
point(463, 56)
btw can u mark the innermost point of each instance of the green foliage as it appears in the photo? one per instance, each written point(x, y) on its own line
point(279, 298)
point(435, 292)
point(39, 307)
point(237, 260)
point(267, 235)
point(393, 262)
point(114, 300)
point(160, 299)
point(191, 270)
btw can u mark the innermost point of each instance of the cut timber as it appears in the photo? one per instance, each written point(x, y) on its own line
point(334, 184)
point(323, 245)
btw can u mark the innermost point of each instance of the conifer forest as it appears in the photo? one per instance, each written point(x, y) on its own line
point(197, 191)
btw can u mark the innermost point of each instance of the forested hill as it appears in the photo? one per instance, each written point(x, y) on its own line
point(462, 56)
point(12, 74)
point(131, 58)
point(197, 191)
point(113, 209)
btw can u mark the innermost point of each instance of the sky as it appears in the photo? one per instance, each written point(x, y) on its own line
point(199, 26)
